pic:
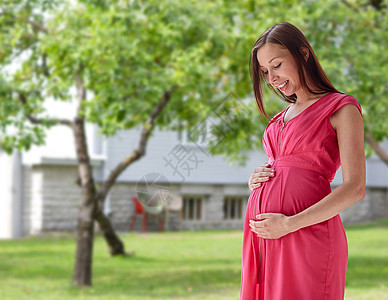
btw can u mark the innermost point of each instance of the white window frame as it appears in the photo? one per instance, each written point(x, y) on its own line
point(240, 205)
point(186, 208)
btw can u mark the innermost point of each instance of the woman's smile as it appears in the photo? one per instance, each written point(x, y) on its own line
point(282, 86)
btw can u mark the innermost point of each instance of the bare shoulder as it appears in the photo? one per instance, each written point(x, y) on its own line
point(347, 116)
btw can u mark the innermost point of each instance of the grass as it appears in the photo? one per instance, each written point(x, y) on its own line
point(184, 265)
point(367, 275)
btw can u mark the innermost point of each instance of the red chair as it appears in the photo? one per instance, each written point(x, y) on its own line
point(144, 211)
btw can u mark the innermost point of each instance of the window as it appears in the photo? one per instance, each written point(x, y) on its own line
point(234, 207)
point(192, 208)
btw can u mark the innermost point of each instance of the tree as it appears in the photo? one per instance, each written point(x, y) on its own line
point(125, 63)
point(354, 49)
point(367, 32)
point(349, 38)
point(167, 64)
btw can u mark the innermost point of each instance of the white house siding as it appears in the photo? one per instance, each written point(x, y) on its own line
point(208, 170)
point(11, 195)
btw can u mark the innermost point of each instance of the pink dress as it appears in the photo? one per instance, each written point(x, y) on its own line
point(309, 264)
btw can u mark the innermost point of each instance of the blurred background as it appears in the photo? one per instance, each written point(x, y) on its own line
point(127, 117)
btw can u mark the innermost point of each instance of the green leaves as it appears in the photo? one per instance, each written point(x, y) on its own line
point(129, 53)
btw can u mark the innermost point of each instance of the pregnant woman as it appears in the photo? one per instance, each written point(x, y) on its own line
point(294, 244)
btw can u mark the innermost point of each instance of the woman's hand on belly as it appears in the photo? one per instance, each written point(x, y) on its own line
point(271, 225)
point(260, 174)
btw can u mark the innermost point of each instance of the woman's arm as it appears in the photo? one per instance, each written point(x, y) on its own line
point(348, 123)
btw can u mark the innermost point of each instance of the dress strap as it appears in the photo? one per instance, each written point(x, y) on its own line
point(332, 104)
point(346, 99)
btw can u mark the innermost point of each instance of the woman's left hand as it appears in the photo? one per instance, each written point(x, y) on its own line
point(271, 225)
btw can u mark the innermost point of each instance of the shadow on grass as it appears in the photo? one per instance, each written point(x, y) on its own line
point(167, 284)
point(192, 261)
point(367, 226)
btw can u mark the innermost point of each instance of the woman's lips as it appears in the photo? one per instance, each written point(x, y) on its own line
point(283, 86)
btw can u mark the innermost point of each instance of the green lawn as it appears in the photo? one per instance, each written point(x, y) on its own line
point(185, 265)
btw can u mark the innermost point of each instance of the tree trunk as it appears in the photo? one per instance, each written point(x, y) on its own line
point(85, 229)
point(376, 147)
point(115, 245)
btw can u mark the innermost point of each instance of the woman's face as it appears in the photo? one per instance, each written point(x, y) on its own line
point(279, 68)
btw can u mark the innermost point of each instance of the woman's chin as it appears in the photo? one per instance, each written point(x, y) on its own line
point(286, 92)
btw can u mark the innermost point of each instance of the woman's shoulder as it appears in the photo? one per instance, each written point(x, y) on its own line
point(342, 99)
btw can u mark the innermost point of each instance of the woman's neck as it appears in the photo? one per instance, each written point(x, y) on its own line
point(303, 97)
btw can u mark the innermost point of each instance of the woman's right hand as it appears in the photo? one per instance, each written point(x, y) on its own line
point(260, 174)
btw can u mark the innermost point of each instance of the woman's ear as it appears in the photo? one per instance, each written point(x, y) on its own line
point(305, 51)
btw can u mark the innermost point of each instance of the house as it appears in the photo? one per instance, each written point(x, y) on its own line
point(38, 190)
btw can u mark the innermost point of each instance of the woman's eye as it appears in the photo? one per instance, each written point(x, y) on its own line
point(275, 67)
point(264, 73)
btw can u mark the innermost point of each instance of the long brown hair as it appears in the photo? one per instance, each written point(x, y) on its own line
point(290, 37)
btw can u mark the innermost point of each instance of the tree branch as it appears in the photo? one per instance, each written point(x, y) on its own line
point(35, 120)
point(376, 147)
point(51, 121)
point(140, 151)
point(46, 71)
point(36, 25)
point(81, 91)
point(377, 4)
point(350, 5)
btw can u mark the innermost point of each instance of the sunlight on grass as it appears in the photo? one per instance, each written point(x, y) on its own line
point(184, 265)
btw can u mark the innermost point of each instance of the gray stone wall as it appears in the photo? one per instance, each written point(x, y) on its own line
point(213, 213)
point(121, 206)
point(52, 199)
point(123, 210)
point(373, 207)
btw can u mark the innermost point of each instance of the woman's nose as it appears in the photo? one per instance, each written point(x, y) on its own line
point(272, 76)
